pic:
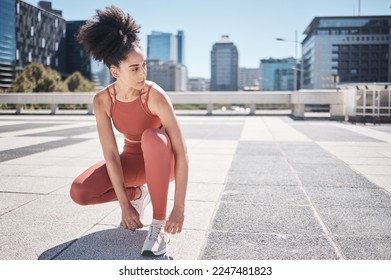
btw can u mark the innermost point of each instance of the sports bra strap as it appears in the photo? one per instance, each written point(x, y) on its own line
point(149, 89)
point(112, 95)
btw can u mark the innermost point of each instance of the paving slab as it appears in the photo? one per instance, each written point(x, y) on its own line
point(365, 248)
point(256, 218)
point(349, 197)
point(266, 195)
point(357, 221)
point(250, 246)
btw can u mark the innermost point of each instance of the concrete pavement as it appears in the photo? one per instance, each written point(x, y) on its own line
point(260, 187)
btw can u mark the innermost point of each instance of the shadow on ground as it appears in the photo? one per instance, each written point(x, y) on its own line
point(111, 244)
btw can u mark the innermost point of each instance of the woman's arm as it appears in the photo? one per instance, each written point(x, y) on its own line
point(160, 105)
point(112, 159)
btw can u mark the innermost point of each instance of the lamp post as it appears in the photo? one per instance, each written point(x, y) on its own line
point(295, 69)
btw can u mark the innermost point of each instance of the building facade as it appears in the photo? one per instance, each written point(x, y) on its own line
point(166, 46)
point(346, 50)
point(40, 37)
point(198, 84)
point(224, 65)
point(248, 78)
point(277, 74)
point(7, 42)
point(168, 75)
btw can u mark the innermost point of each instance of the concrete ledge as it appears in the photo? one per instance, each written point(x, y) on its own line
point(297, 99)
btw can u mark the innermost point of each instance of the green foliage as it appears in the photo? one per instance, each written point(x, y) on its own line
point(77, 83)
point(36, 78)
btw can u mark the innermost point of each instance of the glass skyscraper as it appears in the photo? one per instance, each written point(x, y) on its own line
point(277, 74)
point(346, 50)
point(166, 46)
point(224, 65)
point(7, 42)
point(40, 37)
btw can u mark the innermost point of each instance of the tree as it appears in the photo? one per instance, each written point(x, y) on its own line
point(36, 78)
point(77, 83)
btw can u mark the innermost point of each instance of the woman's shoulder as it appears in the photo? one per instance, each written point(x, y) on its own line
point(155, 91)
point(102, 100)
point(104, 94)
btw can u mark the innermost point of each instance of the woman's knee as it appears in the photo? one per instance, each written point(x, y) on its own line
point(78, 194)
point(153, 137)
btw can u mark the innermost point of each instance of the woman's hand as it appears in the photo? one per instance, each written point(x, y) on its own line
point(130, 218)
point(175, 221)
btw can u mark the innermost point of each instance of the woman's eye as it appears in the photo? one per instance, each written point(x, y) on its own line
point(135, 69)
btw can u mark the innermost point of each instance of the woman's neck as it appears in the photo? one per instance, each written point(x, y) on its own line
point(125, 92)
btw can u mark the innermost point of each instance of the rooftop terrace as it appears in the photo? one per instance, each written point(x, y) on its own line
point(260, 187)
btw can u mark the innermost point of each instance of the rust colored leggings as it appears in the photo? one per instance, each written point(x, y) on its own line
point(150, 162)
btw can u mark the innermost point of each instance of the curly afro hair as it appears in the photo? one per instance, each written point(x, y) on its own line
point(110, 36)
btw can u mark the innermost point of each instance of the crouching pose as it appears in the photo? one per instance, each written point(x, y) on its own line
point(154, 151)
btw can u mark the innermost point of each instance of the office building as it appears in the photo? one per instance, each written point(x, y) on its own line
point(248, 78)
point(40, 37)
point(277, 74)
point(166, 46)
point(224, 65)
point(169, 75)
point(353, 49)
point(7, 42)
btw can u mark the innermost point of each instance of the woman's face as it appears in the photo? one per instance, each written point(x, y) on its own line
point(132, 72)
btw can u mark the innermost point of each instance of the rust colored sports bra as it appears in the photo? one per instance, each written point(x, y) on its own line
point(132, 118)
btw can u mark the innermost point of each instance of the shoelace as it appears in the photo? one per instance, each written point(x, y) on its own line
point(155, 231)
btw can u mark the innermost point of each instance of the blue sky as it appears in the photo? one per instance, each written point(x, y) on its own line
point(252, 25)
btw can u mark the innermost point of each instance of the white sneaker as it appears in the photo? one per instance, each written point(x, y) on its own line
point(141, 203)
point(156, 242)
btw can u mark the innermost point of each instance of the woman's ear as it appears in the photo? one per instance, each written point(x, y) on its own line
point(114, 71)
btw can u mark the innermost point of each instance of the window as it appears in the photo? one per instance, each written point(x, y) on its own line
point(43, 43)
point(17, 7)
point(17, 54)
point(48, 60)
point(56, 61)
point(56, 23)
point(39, 16)
point(30, 58)
point(56, 46)
point(32, 31)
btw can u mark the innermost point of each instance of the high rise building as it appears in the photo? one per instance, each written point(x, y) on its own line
point(353, 49)
point(165, 55)
point(40, 37)
point(30, 34)
point(224, 65)
point(7, 42)
point(169, 75)
point(166, 46)
point(277, 74)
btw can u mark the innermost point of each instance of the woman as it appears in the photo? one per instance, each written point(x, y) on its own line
point(154, 151)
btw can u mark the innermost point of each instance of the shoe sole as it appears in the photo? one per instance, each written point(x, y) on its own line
point(151, 254)
point(148, 253)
